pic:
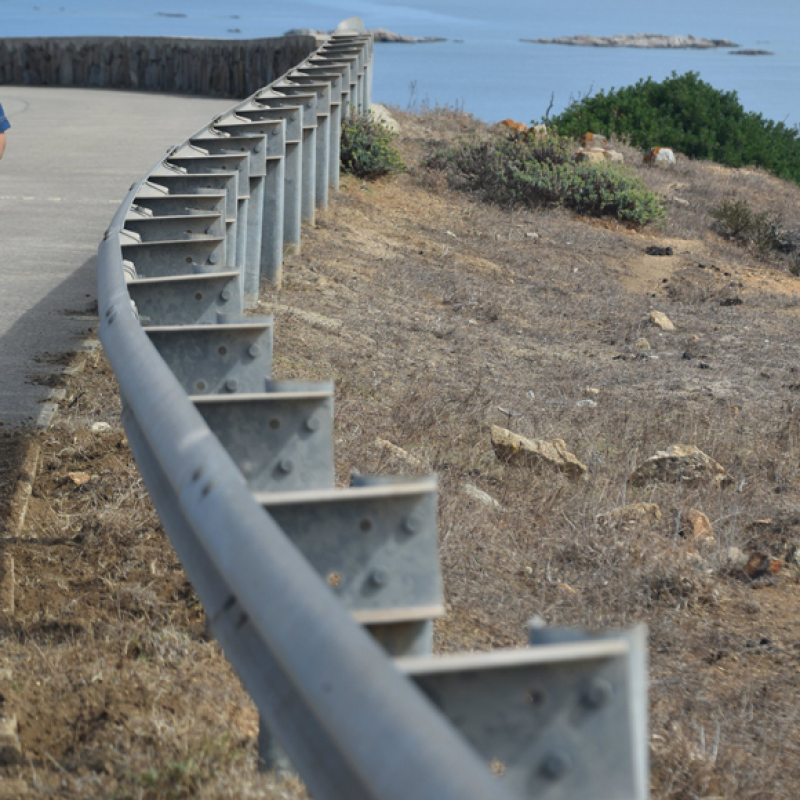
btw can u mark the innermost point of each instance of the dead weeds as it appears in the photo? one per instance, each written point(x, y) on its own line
point(438, 317)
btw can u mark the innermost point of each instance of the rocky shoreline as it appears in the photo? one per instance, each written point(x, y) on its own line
point(646, 40)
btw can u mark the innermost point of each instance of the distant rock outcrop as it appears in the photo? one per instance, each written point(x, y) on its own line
point(652, 40)
point(382, 35)
point(378, 34)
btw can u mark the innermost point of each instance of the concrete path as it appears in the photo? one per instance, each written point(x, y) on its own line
point(72, 155)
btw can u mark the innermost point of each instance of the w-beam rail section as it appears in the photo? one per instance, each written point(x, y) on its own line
point(323, 598)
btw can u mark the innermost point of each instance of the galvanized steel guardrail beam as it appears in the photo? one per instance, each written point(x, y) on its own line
point(240, 469)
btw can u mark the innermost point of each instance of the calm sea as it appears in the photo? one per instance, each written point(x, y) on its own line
point(489, 72)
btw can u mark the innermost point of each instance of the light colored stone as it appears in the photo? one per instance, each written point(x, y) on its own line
point(591, 390)
point(593, 141)
point(642, 345)
point(100, 427)
point(586, 404)
point(482, 497)
point(680, 201)
point(515, 449)
point(381, 114)
point(631, 515)
point(590, 156)
point(393, 451)
point(660, 157)
point(736, 558)
point(661, 320)
point(681, 463)
point(532, 235)
point(698, 526)
point(79, 478)
point(614, 156)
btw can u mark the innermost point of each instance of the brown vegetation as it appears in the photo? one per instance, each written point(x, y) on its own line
point(457, 316)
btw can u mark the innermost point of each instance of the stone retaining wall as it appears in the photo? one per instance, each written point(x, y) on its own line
point(214, 67)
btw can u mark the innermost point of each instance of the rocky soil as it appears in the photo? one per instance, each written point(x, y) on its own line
point(442, 320)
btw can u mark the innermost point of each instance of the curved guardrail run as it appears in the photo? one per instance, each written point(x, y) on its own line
point(240, 469)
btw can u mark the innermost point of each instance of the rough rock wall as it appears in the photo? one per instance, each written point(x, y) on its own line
point(214, 67)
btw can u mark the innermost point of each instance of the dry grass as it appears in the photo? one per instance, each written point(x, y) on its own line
point(452, 312)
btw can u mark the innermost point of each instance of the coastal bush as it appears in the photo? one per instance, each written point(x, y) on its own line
point(538, 172)
point(367, 149)
point(734, 219)
point(691, 116)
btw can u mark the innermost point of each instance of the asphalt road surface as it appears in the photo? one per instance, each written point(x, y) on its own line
point(71, 157)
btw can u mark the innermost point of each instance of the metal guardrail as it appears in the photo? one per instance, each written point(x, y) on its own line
point(240, 469)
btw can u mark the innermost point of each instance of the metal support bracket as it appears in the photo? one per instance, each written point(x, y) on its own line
point(281, 439)
point(217, 359)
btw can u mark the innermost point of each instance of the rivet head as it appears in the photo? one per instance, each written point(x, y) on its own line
point(286, 465)
point(379, 577)
point(412, 523)
point(254, 351)
point(225, 295)
point(597, 694)
point(231, 384)
point(212, 259)
point(554, 766)
point(312, 424)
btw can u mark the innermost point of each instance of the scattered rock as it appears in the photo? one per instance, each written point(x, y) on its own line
point(654, 250)
point(100, 427)
point(680, 201)
point(566, 588)
point(681, 463)
point(660, 157)
point(591, 140)
point(515, 449)
point(79, 478)
point(760, 565)
point(591, 390)
point(590, 156)
point(614, 156)
point(697, 526)
point(736, 558)
point(401, 455)
point(532, 235)
point(482, 497)
point(634, 514)
point(642, 345)
point(10, 746)
point(586, 404)
point(661, 320)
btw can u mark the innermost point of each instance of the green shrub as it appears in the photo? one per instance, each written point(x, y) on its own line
point(367, 149)
point(734, 219)
point(691, 116)
point(538, 172)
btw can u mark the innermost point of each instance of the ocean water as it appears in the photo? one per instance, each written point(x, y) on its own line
point(489, 72)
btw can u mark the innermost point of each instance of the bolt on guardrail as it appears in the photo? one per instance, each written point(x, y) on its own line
point(312, 590)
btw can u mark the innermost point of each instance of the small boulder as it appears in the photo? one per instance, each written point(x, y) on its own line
point(660, 157)
point(614, 156)
point(697, 526)
point(591, 140)
point(681, 463)
point(587, 156)
point(642, 345)
point(515, 449)
point(661, 320)
point(760, 565)
point(632, 515)
point(482, 497)
point(381, 115)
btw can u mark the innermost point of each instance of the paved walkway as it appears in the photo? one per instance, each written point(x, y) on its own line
point(72, 155)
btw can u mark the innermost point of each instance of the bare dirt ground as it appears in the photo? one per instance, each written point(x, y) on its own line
point(438, 316)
